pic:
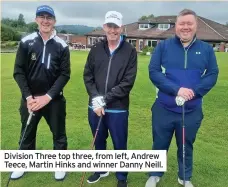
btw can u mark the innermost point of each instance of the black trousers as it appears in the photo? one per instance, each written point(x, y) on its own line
point(55, 114)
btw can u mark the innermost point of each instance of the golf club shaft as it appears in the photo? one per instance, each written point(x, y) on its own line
point(92, 146)
point(95, 136)
point(27, 124)
point(8, 181)
point(183, 133)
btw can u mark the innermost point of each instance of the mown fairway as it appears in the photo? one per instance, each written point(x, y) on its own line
point(211, 146)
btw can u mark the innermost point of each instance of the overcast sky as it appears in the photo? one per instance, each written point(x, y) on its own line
point(92, 13)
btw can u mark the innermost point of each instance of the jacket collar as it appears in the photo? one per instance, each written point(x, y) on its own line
point(105, 43)
point(178, 40)
point(52, 35)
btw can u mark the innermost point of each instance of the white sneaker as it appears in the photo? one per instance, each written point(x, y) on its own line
point(152, 181)
point(60, 175)
point(187, 183)
point(17, 175)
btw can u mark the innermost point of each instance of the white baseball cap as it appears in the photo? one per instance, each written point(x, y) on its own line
point(113, 17)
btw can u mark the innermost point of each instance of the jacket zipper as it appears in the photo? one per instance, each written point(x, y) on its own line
point(49, 58)
point(185, 58)
point(186, 54)
point(44, 49)
point(107, 77)
point(109, 66)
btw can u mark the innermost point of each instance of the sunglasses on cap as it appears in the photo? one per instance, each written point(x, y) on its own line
point(112, 25)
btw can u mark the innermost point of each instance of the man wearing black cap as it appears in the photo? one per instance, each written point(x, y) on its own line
point(42, 69)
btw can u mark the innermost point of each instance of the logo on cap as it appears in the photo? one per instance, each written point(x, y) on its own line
point(45, 9)
point(113, 17)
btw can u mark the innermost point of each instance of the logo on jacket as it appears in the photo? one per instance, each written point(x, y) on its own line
point(32, 42)
point(33, 56)
point(198, 52)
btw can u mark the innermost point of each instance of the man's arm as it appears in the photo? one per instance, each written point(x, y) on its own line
point(209, 79)
point(20, 70)
point(124, 87)
point(88, 76)
point(64, 75)
point(156, 75)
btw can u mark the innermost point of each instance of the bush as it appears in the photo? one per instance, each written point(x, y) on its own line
point(147, 49)
point(17, 36)
point(9, 45)
point(8, 34)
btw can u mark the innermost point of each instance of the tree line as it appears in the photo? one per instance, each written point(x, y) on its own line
point(13, 29)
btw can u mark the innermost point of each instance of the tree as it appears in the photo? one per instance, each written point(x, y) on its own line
point(63, 31)
point(151, 16)
point(21, 20)
point(143, 18)
point(32, 27)
point(17, 36)
point(74, 32)
point(9, 22)
point(7, 33)
point(227, 23)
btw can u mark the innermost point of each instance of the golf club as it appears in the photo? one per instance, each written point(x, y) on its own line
point(27, 124)
point(92, 146)
point(183, 139)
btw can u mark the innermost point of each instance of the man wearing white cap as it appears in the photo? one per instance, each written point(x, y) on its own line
point(109, 76)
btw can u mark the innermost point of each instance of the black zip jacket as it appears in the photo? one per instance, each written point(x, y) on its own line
point(111, 76)
point(42, 67)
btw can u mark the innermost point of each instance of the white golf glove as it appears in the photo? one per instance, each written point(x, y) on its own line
point(98, 102)
point(180, 101)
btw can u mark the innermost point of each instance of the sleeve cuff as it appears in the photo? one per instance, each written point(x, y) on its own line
point(176, 90)
point(28, 97)
point(49, 96)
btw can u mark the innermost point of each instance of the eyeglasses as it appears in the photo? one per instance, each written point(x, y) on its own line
point(48, 18)
point(112, 25)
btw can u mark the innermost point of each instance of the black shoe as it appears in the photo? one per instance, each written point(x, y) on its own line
point(122, 183)
point(96, 177)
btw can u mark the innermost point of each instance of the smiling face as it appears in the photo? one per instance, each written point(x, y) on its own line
point(112, 32)
point(186, 27)
point(46, 23)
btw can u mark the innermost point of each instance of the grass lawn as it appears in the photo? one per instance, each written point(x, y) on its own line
point(211, 146)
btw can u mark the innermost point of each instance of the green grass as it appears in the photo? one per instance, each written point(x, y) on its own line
point(211, 146)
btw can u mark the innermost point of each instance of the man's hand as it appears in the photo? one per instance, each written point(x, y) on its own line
point(30, 102)
point(185, 93)
point(40, 102)
point(99, 111)
point(98, 105)
point(180, 101)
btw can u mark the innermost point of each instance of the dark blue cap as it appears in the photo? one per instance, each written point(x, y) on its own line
point(45, 9)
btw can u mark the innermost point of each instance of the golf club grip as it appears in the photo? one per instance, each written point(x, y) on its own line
point(29, 118)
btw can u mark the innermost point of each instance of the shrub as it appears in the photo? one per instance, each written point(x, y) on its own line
point(147, 49)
